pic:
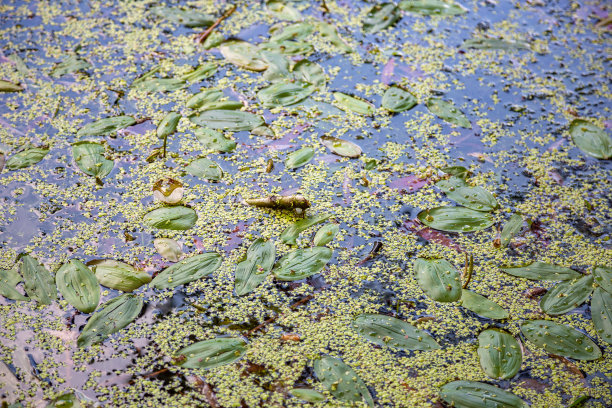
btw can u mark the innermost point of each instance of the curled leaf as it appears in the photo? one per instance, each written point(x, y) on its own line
point(168, 190)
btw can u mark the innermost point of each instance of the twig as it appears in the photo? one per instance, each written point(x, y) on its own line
point(280, 202)
point(469, 268)
point(202, 37)
point(155, 373)
point(297, 304)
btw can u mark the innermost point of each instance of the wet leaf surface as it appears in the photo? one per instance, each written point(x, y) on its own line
point(38, 282)
point(215, 140)
point(302, 263)
point(308, 395)
point(187, 270)
point(342, 381)
point(381, 16)
point(560, 339)
point(495, 44)
point(284, 94)
point(228, 120)
point(299, 158)
point(447, 111)
point(591, 139)
point(212, 353)
point(251, 272)
point(499, 353)
point(432, 7)
point(603, 277)
point(438, 279)
point(326, 234)
point(205, 168)
point(542, 271)
point(292, 232)
point(168, 248)
point(9, 279)
point(106, 126)
point(392, 332)
point(172, 218)
point(26, 158)
point(469, 394)
point(511, 228)
point(6, 86)
point(398, 100)
point(567, 295)
point(476, 198)
point(455, 219)
point(90, 157)
point(601, 313)
point(341, 147)
point(350, 103)
point(244, 55)
point(118, 275)
point(482, 306)
point(78, 285)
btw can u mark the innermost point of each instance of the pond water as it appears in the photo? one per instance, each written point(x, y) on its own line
point(505, 106)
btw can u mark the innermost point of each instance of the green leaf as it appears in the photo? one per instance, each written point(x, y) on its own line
point(560, 340)
point(288, 47)
point(89, 156)
point(296, 31)
point(205, 168)
point(214, 140)
point(299, 158)
point(330, 34)
point(187, 17)
point(106, 126)
point(474, 394)
point(476, 198)
point(381, 16)
point(341, 147)
point(543, 271)
point(302, 263)
point(603, 277)
point(351, 104)
point(26, 158)
point(326, 234)
point(482, 306)
point(567, 295)
point(68, 66)
point(499, 353)
point(392, 332)
point(251, 272)
point(342, 381)
point(591, 139)
point(211, 353)
point(6, 86)
point(283, 11)
point(168, 125)
point(308, 395)
point(278, 66)
point(78, 285)
point(495, 44)
point(151, 85)
point(291, 233)
point(204, 97)
point(432, 7)
point(187, 270)
point(39, 284)
point(243, 54)
point(203, 71)
point(601, 313)
point(112, 317)
point(511, 228)
point(457, 171)
point(284, 94)
point(176, 217)
point(397, 100)
point(9, 279)
point(448, 112)
point(455, 219)
point(228, 120)
point(118, 275)
point(222, 105)
point(309, 72)
point(438, 279)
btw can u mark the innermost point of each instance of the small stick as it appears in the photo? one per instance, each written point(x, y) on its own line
point(280, 202)
point(202, 37)
point(469, 268)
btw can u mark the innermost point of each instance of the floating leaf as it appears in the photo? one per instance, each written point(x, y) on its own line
point(499, 353)
point(215, 140)
point(89, 156)
point(603, 277)
point(299, 158)
point(118, 275)
point(457, 171)
point(168, 125)
point(187, 270)
point(173, 218)
point(560, 340)
point(474, 394)
point(591, 139)
point(341, 147)
point(438, 279)
point(511, 228)
point(228, 120)
point(397, 100)
point(151, 85)
point(392, 332)
point(114, 316)
point(495, 44)
point(543, 271)
point(307, 394)
point(350, 103)
point(278, 66)
point(251, 272)
point(26, 158)
point(106, 126)
point(168, 190)
point(341, 380)
point(482, 306)
point(302, 263)
point(601, 313)
point(296, 31)
point(284, 94)
point(290, 234)
point(243, 54)
point(326, 234)
point(433, 7)
point(330, 33)
point(168, 248)
point(9, 279)
point(39, 284)
point(567, 295)
point(204, 97)
point(381, 16)
point(455, 219)
point(78, 285)
point(283, 11)
point(6, 86)
point(212, 353)
point(309, 72)
point(205, 168)
point(288, 47)
point(187, 17)
point(68, 66)
point(222, 105)
point(203, 71)
point(476, 198)
point(448, 112)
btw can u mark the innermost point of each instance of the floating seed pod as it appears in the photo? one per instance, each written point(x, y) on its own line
point(168, 190)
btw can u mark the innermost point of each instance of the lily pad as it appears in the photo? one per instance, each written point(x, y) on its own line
point(482, 306)
point(78, 285)
point(432, 7)
point(26, 158)
point(447, 111)
point(302, 263)
point(560, 339)
point(168, 125)
point(542, 271)
point(380, 17)
point(299, 158)
point(114, 315)
point(243, 54)
point(342, 381)
point(106, 126)
point(341, 147)
point(350, 103)
point(499, 353)
point(89, 156)
point(118, 275)
point(251, 272)
point(173, 218)
point(567, 295)
point(438, 279)
point(284, 94)
point(511, 228)
point(603, 277)
point(326, 234)
point(39, 284)
point(591, 139)
point(455, 219)
point(9, 279)
point(291, 233)
point(474, 394)
point(187, 270)
point(601, 313)
point(392, 332)
point(397, 99)
point(205, 168)
point(212, 353)
point(228, 120)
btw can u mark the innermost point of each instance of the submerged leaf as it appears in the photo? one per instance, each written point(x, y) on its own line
point(299, 158)
point(211, 353)
point(118, 275)
point(342, 381)
point(205, 168)
point(251, 272)
point(474, 394)
point(499, 353)
point(26, 158)
point(560, 339)
point(447, 111)
point(381, 16)
point(78, 285)
point(9, 279)
point(290, 234)
point(173, 218)
point(215, 140)
point(392, 332)
point(243, 54)
point(89, 156)
point(68, 66)
point(228, 120)
point(601, 313)
point(567, 295)
point(455, 219)
point(351, 104)
point(396, 99)
point(114, 316)
point(438, 279)
point(168, 248)
point(187, 270)
point(302, 263)
point(495, 44)
point(39, 284)
point(284, 94)
point(341, 147)
point(326, 234)
point(106, 126)
point(511, 228)
point(542, 271)
point(482, 306)
point(591, 139)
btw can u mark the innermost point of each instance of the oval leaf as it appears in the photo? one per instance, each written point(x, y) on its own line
point(603, 277)
point(251, 272)
point(39, 284)
point(205, 97)
point(560, 340)
point(205, 168)
point(456, 219)
point(228, 120)
point(326, 234)
point(511, 228)
point(476, 198)
point(168, 125)
point(172, 218)
point(212, 353)
point(432, 7)
point(119, 275)
point(243, 54)
point(351, 104)
point(495, 44)
point(482, 306)
point(284, 94)
point(6, 86)
point(310, 73)
point(499, 353)
point(438, 279)
point(302, 263)
point(9, 279)
point(89, 156)
point(591, 139)
point(78, 285)
point(342, 381)
point(168, 248)
point(398, 100)
point(341, 147)
point(448, 112)
point(215, 140)
point(601, 313)
point(308, 395)
point(567, 295)
point(474, 394)
point(151, 85)
point(26, 158)
point(299, 157)
point(392, 332)
point(187, 270)
point(381, 16)
point(291, 233)
point(543, 271)
point(106, 126)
